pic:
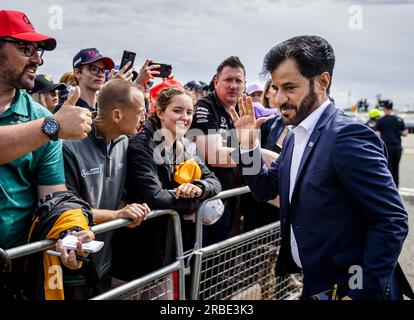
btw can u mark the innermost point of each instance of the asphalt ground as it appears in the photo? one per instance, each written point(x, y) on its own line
point(407, 191)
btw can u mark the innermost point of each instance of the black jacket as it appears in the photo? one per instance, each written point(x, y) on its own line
point(211, 116)
point(151, 245)
point(149, 182)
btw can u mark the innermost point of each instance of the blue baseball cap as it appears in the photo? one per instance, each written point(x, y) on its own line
point(89, 55)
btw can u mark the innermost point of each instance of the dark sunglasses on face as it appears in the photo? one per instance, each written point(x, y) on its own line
point(96, 70)
point(28, 48)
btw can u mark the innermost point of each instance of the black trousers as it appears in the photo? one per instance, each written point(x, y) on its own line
point(394, 157)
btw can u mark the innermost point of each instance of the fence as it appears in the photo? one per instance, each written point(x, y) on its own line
point(158, 285)
point(161, 284)
point(170, 279)
point(241, 267)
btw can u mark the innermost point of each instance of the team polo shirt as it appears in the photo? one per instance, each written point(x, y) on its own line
point(19, 178)
point(211, 117)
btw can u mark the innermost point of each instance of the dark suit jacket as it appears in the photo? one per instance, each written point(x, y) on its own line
point(345, 208)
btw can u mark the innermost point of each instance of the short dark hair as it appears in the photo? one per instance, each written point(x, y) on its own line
point(233, 62)
point(115, 93)
point(387, 104)
point(313, 54)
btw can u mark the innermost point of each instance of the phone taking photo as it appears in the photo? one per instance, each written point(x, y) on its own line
point(127, 56)
point(164, 69)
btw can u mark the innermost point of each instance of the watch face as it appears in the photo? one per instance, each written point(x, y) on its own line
point(51, 127)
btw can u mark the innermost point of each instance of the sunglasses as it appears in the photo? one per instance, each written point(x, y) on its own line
point(28, 48)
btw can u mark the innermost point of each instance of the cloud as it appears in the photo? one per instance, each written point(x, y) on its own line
point(195, 36)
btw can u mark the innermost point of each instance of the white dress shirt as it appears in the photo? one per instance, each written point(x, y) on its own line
point(302, 133)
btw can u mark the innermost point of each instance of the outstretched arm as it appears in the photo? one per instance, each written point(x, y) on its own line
point(262, 181)
point(20, 139)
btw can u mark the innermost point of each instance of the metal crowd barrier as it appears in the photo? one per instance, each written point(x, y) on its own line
point(160, 284)
point(199, 222)
point(145, 285)
point(238, 268)
point(6, 256)
point(241, 267)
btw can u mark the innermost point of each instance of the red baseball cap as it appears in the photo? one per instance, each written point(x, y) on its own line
point(155, 90)
point(16, 25)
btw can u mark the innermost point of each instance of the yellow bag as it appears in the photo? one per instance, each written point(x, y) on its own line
point(187, 172)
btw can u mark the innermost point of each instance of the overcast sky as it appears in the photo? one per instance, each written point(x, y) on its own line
point(372, 40)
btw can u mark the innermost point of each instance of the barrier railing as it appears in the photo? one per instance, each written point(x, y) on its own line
point(199, 222)
point(157, 285)
point(244, 264)
point(135, 289)
point(6, 256)
point(241, 267)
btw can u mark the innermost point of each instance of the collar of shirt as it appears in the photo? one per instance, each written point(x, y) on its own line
point(82, 103)
point(18, 105)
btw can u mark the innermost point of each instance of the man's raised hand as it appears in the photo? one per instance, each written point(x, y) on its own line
point(75, 122)
point(247, 126)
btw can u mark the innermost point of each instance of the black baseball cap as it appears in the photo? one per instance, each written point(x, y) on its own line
point(196, 85)
point(89, 55)
point(44, 83)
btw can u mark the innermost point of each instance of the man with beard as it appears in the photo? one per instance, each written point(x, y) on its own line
point(342, 220)
point(21, 50)
point(35, 167)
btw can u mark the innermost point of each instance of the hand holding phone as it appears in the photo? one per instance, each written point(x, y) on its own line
point(164, 69)
point(127, 56)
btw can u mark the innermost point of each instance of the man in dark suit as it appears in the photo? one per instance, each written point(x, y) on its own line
point(342, 220)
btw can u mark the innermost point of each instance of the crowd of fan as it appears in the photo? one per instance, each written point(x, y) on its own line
point(107, 143)
point(112, 173)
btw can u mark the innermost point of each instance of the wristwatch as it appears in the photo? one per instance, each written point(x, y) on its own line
point(51, 128)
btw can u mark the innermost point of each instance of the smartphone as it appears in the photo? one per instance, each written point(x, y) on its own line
point(164, 69)
point(127, 56)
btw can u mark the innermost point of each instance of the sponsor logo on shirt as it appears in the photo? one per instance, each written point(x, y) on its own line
point(90, 172)
point(203, 109)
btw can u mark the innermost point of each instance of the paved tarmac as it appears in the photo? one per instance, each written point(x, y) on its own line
point(407, 189)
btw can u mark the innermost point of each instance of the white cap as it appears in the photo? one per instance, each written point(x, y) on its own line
point(254, 87)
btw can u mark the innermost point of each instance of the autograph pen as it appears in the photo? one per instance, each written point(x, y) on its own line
point(57, 254)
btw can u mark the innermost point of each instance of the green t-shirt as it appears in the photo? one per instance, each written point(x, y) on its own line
point(19, 179)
